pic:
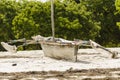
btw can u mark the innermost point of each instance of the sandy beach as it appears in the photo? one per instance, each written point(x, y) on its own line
point(33, 65)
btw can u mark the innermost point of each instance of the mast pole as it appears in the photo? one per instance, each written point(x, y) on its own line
point(52, 19)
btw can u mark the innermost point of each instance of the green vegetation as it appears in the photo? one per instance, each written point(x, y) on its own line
point(98, 20)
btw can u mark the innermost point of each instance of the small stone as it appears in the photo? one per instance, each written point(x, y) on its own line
point(14, 64)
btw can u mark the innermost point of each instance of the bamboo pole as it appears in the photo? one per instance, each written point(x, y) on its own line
point(52, 19)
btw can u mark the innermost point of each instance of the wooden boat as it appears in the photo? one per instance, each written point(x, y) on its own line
point(57, 50)
point(56, 47)
point(63, 49)
point(60, 50)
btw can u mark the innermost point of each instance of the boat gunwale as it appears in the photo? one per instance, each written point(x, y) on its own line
point(58, 43)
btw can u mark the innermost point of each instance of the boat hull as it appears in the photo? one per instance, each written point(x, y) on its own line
point(60, 51)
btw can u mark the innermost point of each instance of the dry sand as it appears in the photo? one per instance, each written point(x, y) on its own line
point(33, 65)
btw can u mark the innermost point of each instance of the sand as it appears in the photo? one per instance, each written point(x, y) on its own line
point(33, 65)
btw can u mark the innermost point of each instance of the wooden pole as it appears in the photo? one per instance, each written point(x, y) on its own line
point(52, 19)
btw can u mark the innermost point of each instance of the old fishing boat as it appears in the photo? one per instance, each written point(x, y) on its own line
point(57, 48)
point(63, 49)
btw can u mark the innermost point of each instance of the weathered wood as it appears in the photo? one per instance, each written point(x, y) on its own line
point(52, 19)
point(95, 45)
point(67, 52)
